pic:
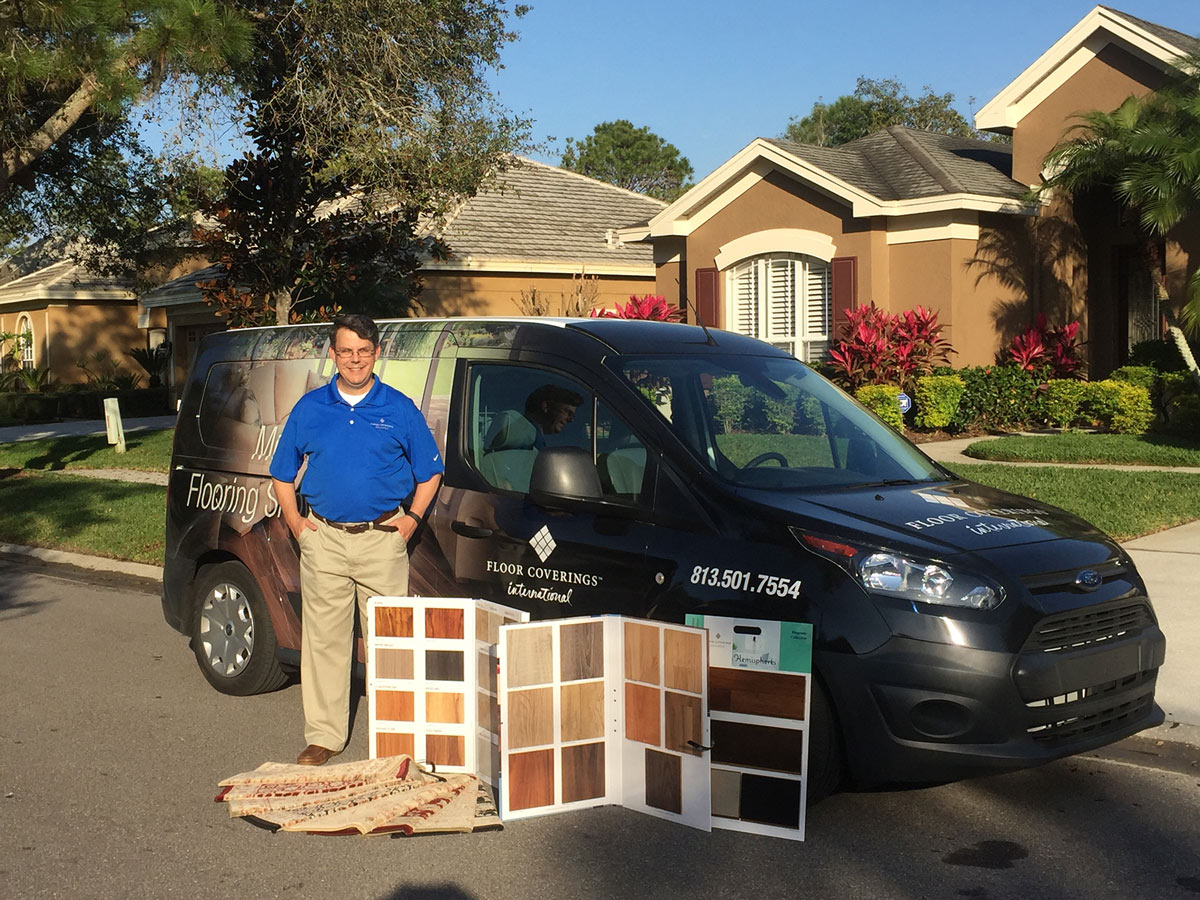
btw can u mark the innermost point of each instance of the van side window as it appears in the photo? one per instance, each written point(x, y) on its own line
point(517, 411)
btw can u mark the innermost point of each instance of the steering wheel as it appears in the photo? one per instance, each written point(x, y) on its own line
point(765, 457)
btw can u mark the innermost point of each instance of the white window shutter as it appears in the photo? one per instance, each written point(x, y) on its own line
point(745, 298)
point(817, 300)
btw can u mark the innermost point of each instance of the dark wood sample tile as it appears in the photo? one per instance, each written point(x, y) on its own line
point(528, 656)
point(394, 706)
point(582, 772)
point(446, 749)
point(394, 621)
point(392, 663)
point(664, 781)
point(759, 746)
point(530, 717)
point(444, 623)
point(581, 651)
point(388, 744)
point(641, 652)
point(581, 711)
point(530, 779)
point(642, 714)
point(487, 712)
point(443, 665)
point(779, 695)
point(684, 721)
point(683, 657)
point(770, 801)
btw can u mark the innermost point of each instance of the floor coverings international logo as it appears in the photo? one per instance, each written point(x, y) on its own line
point(543, 543)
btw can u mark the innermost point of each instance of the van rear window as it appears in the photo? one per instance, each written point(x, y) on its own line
point(245, 403)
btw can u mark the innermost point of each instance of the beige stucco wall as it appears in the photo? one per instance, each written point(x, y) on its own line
point(1102, 83)
point(64, 333)
point(496, 293)
point(780, 202)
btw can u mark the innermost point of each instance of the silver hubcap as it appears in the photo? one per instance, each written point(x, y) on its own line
point(227, 629)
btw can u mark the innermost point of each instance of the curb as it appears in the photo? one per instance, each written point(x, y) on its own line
point(82, 561)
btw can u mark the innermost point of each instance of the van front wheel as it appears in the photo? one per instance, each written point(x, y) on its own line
point(232, 635)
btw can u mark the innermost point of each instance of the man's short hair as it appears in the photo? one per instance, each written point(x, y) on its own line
point(553, 393)
point(363, 326)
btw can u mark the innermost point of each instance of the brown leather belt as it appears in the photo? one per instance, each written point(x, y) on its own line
point(360, 527)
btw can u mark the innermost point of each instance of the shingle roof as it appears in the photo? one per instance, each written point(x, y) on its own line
point(540, 213)
point(1186, 43)
point(63, 280)
point(898, 163)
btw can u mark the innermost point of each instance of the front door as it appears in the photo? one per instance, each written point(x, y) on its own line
point(568, 559)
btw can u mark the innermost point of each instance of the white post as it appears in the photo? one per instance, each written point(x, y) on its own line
point(112, 423)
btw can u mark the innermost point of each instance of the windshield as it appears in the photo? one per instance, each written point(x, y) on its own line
point(771, 422)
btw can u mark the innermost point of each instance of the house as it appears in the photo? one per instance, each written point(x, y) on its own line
point(781, 238)
point(68, 314)
point(539, 228)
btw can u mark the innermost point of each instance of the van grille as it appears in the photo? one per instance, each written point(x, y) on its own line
point(1087, 627)
point(1111, 718)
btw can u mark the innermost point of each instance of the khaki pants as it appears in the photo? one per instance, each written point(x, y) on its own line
point(335, 566)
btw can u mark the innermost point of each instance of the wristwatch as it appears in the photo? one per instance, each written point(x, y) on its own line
point(412, 515)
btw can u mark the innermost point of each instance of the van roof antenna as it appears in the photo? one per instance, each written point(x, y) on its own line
point(708, 338)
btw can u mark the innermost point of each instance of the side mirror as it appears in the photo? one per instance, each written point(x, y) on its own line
point(564, 473)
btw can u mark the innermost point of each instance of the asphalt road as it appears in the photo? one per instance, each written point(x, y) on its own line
point(112, 744)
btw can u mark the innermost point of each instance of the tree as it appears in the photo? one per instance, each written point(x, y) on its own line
point(1147, 153)
point(636, 159)
point(69, 74)
point(371, 119)
point(875, 104)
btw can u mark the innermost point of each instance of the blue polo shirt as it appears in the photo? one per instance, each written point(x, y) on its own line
point(363, 460)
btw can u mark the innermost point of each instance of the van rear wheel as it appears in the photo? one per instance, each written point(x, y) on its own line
point(232, 635)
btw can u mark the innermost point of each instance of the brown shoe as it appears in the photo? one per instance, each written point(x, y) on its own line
point(313, 755)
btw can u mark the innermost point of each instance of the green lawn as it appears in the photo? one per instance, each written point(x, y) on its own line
point(84, 515)
point(1124, 505)
point(148, 451)
point(1081, 447)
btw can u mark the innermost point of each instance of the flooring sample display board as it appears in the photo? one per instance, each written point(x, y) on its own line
point(431, 681)
point(758, 701)
point(604, 710)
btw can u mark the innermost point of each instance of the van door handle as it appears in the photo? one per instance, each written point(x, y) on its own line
point(471, 531)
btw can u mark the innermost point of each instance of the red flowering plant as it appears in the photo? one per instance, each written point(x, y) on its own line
point(877, 347)
point(1056, 351)
point(649, 306)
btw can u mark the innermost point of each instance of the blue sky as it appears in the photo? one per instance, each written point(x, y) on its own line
point(710, 76)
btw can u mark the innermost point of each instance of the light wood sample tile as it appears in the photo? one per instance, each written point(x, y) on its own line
point(530, 717)
point(642, 714)
point(582, 710)
point(641, 652)
point(388, 744)
point(682, 670)
point(394, 706)
point(393, 663)
point(530, 657)
point(444, 707)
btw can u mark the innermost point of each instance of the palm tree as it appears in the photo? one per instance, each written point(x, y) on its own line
point(1147, 152)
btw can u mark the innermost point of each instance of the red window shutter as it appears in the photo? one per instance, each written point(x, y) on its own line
point(706, 296)
point(843, 276)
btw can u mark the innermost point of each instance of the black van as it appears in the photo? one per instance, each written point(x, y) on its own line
point(958, 629)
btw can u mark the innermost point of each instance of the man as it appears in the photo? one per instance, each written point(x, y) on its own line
point(549, 409)
point(368, 449)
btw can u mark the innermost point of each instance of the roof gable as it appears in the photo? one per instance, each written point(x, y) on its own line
point(896, 171)
point(1154, 44)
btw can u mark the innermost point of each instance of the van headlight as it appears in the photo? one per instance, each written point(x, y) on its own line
point(896, 575)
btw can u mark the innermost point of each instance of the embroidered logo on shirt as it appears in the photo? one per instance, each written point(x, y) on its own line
point(382, 424)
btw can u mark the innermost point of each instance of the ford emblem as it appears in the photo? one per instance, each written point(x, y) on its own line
point(1088, 580)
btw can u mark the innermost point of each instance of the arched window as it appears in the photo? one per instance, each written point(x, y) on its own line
point(784, 299)
point(25, 341)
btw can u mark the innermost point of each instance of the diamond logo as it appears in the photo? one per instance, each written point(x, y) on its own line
point(543, 543)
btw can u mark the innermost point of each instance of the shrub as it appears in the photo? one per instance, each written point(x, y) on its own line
point(881, 399)
point(1121, 407)
point(1057, 349)
point(1061, 401)
point(1162, 356)
point(1144, 376)
point(937, 400)
point(649, 306)
point(1003, 397)
point(877, 347)
point(732, 399)
point(1184, 418)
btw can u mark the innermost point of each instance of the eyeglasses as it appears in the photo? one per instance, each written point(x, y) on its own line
point(360, 353)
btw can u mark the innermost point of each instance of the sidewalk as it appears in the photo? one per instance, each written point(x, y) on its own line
point(13, 433)
point(951, 452)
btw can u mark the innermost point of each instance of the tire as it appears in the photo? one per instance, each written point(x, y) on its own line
point(232, 635)
point(826, 759)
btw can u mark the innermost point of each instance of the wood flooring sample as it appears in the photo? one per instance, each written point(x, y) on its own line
point(394, 621)
point(531, 779)
point(581, 708)
point(641, 652)
point(583, 772)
